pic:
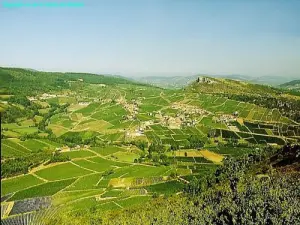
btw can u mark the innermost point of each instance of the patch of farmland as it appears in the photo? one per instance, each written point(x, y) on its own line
point(214, 157)
point(27, 123)
point(170, 111)
point(114, 137)
point(180, 137)
point(34, 145)
point(183, 170)
point(203, 169)
point(141, 171)
point(44, 111)
point(111, 205)
point(78, 154)
point(126, 124)
point(61, 171)
point(29, 205)
point(208, 122)
point(46, 189)
point(262, 139)
point(66, 123)
point(156, 101)
point(144, 117)
point(75, 107)
point(70, 100)
point(168, 141)
point(86, 182)
point(229, 134)
point(107, 163)
point(134, 200)
point(125, 156)
point(188, 153)
point(26, 130)
point(84, 203)
point(67, 196)
point(112, 193)
point(9, 125)
point(157, 127)
point(58, 130)
point(18, 183)
point(10, 134)
point(89, 109)
point(10, 148)
point(107, 150)
point(97, 167)
point(93, 125)
point(233, 151)
point(152, 136)
point(166, 188)
point(103, 183)
point(149, 108)
point(50, 143)
point(8, 152)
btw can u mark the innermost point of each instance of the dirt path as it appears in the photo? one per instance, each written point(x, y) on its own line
point(183, 180)
point(118, 205)
point(33, 174)
point(94, 171)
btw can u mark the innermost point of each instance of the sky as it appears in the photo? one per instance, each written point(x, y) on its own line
point(155, 37)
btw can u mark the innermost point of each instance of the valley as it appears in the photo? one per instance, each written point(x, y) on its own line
point(74, 142)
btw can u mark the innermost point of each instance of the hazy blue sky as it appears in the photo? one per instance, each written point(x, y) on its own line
point(254, 37)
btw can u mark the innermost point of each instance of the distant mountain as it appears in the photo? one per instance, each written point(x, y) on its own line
point(182, 81)
point(292, 85)
point(272, 80)
point(167, 82)
point(19, 80)
point(205, 84)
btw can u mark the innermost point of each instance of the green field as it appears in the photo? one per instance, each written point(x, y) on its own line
point(107, 150)
point(107, 143)
point(45, 189)
point(62, 171)
point(78, 154)
point(18, 183)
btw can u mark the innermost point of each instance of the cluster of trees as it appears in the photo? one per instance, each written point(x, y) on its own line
point(242, 191)
point(79, 138)
point(22, 165)
point(14, 112)
point(58, 157)
point(140, 144)
point(55, 109)
point(287, 107)
point(195, 142)
point(28, 82)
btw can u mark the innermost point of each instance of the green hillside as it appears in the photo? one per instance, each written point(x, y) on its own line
point(287, 102)
point(96, 145)
point(270, 182)
point(292, 85)
point(17, 80)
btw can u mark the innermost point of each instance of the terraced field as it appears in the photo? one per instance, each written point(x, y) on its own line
point(104, 134)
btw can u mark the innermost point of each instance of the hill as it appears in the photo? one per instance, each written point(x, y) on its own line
point(92, 144)
point(212, 85)
point(176, 82)
point(269, 181)
point(287, 102)
point(292, 85)
point(182, 81)
point(26, 81)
